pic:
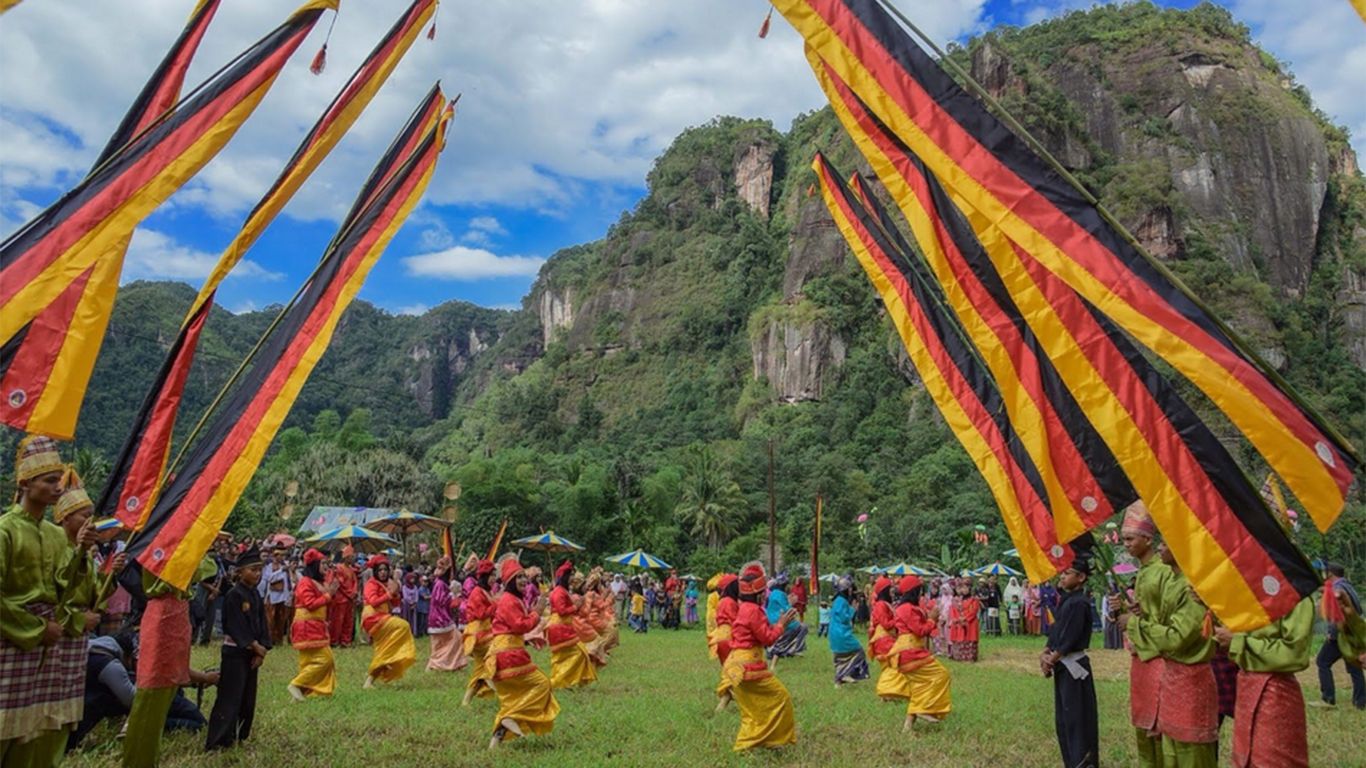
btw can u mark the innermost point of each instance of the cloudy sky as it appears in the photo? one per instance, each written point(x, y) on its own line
point(565, 105)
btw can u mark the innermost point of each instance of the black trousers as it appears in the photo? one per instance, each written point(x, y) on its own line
point(235, 707)
point(1075, 717)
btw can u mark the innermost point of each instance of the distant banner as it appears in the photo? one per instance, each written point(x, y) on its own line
point(194, 505)
point(136, 475)
point(48, 368)
point(989, 169)
point(954, 377)
point(94, 221)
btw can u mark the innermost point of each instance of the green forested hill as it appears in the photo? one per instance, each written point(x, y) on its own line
point(635, 398)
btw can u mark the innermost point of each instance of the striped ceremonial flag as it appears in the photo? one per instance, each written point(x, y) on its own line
point(46, 367)
point(1083, 481)
point(956, 380)
point(94, 221)
point(1235, 554)
point(989, 169)
point(136, 474)
point(195, 504)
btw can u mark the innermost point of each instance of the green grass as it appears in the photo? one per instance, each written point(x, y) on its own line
point(652, 706)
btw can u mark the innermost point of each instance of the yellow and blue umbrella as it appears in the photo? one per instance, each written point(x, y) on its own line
point(547, 542)
point(905, 569)
point(639, 559)
point(363, 539)
point(996, 569)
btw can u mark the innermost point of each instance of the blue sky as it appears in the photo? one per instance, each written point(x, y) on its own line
point(565, 106)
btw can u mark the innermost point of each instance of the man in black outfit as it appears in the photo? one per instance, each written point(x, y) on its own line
point(1064, 659)
point(246, 639)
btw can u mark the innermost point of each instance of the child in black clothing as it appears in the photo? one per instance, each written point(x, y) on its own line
point(246, 639)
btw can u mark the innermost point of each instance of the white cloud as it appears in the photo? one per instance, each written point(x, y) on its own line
point(155, 255)
point(470, 264)
point(1323, 43)
point(412, 309)
point(557, 95)
point(482, 230)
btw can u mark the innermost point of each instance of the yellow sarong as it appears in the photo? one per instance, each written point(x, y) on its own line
point(317, 672)
point(766, 714)
point(928, 683)
point(570, 666)
point(392, 647)
point(721, 634)
point(891, 684)
point(526, 698)
point(480, 680)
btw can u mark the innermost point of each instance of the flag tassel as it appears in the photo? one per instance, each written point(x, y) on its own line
point(319, 61)
point(768, 21)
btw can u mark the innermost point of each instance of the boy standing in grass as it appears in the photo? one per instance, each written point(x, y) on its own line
point(1064, 659)
point(823, 628)
point(246, 639)
point(639, 622)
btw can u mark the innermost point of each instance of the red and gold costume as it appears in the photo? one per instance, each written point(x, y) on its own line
point(570, 665)
point(1269, 727)
point(766, 713)
point(478, 632)
point(524, 692)
point(391, 639)
point(926, 679)
point(891, 684)
point(726, 609)
point(310, 637)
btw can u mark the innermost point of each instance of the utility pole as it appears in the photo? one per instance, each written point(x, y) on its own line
point(772, 515)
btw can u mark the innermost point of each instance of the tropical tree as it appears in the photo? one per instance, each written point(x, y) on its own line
point(709, 497)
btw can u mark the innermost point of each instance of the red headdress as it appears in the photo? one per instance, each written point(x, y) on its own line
point(565, 567)
point(908, 583)
point(753, 579)
point(882, 583)
point(376, 561)
point(508, 569)
point(483, 568)
point(312, 556)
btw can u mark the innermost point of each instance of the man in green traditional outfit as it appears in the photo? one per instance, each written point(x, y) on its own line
point(1269, 726)
point(42, 664)
point(1145, 665)
point(1188, 697)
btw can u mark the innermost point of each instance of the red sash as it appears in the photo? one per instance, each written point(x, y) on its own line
point(1145, 683)
point(1189, 710)
point(1268, 725)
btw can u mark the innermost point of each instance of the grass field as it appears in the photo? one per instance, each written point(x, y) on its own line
point(652, 706)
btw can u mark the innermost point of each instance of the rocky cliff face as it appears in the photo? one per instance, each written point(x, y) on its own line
point(797, 356)
point(754, 176)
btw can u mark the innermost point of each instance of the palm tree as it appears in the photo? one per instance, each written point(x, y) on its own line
point(92, 467)
point(709, 497)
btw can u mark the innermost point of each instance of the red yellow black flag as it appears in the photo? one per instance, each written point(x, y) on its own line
point(1232, 550)
point(93, 221)
point(135, 476)
point(47, 365)
point(195, 504)
point(989, 169)
point(956, 380)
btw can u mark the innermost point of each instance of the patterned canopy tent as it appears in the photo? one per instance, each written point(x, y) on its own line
point(905, 569)
point(327, 518)
point(404, 522)
point(363, 539)
point(996, 569)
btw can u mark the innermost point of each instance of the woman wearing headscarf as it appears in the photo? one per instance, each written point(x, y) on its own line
point(942, 646)
point(309, 633)
point(891, 684)
point(727, 606)
point(391, 638)
point(570, 665)
point(927, 679)
point(448, 655)
point(766, 714)
point(851, 664)
point(478, 630)
point(793, 640)
point(526, 703)
point(1032, 609)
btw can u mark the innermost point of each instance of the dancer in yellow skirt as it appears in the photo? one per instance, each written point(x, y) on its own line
point(478, 630)
point(391, 639)
point(927, 678)
point(713, 598)
point(891, 684)
point(766, 715)
point(309, 634)
point(586, 619)
point(570, 665)
point(526, 703)
point(727, 606)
